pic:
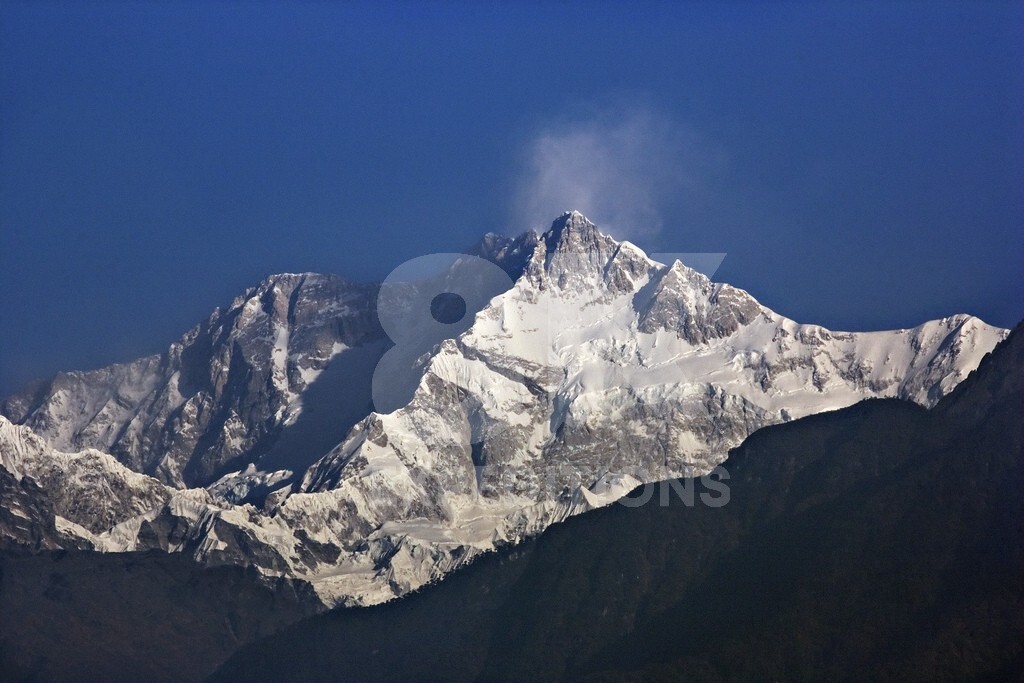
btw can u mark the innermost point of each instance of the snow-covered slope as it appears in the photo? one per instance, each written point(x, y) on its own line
point(597, 369)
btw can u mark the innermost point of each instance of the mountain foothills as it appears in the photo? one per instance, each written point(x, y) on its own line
point(881, 541)
point(252, 441)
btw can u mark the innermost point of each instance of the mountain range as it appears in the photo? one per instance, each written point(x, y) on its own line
point(343, 436)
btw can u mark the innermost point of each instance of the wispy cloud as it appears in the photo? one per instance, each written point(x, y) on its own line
point(620, 168)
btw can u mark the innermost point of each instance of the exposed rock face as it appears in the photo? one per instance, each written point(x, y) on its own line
point(598, 369)
point(697, 310)
point(25, 517)
point(219, 397)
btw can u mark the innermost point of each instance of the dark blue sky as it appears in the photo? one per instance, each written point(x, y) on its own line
point(861, 164)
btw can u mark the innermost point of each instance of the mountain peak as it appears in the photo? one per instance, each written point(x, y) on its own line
point(574, 254)
point(571, 224)
point(574, 216)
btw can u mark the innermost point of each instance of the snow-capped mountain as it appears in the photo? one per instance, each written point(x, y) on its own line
point(252, 441)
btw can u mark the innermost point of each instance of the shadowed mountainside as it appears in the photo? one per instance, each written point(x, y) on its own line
point(82, 616)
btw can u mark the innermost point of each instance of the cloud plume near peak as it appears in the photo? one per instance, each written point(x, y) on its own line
point(620, 168)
